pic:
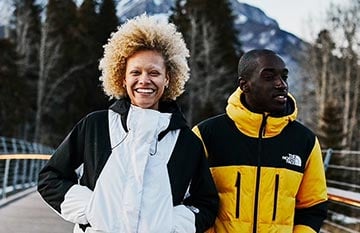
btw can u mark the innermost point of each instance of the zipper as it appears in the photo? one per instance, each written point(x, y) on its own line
point(237, 185)
point(275, 196)
point(258, 171)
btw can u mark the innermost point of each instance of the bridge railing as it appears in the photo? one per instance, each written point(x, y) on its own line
point(20, 163)
point(342, 176)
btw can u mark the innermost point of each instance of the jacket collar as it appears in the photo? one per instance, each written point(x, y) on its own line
point(177, 120)
point(250, 123)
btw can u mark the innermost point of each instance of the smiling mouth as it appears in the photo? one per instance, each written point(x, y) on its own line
point(281, 98)
point(144, 90)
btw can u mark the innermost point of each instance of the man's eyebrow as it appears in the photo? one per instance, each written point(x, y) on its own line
point(273, 70)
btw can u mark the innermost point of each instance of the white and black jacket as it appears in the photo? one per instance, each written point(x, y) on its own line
point(141, 171)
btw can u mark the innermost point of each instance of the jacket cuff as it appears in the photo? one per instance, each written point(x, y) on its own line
point(210, 230)
point(303, 229)
point(184, 220)
point(75, 202)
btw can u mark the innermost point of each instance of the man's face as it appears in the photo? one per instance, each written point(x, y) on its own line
point(266, 90)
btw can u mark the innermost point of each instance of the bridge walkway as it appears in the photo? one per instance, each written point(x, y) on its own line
point(29, 214)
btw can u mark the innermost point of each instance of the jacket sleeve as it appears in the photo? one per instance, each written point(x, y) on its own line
point(59, 175)
point(311, 199)
point(203, 199)
point(196, 130)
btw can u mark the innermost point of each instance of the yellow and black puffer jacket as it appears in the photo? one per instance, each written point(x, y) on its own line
point(268, 171)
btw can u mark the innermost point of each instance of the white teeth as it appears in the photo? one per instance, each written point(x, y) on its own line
point(143, 90)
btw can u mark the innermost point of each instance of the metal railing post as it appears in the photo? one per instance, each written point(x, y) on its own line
point(3, 143)
point(37, 170)
point(329, 152)
point(24, 173)
point(24, 163)
point(16, 168)
point(31, 172)
point(6, 174)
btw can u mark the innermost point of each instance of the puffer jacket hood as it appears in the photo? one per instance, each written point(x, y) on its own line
point(249, 122)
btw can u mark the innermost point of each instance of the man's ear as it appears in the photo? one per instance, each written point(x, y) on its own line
point(243, 85)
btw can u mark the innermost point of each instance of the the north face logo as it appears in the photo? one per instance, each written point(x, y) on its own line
point(292, 159)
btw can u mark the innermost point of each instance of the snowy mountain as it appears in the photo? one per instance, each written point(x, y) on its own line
point(256, 30)
point(129, 8)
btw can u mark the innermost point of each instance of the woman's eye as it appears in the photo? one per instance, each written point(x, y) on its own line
point(134, 72)
point(154, 73)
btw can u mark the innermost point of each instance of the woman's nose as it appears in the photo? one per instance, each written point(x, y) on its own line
point(144, 79)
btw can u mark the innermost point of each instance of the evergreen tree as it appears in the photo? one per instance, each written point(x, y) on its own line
point(208, 29)
point(89, 95)
point(178, 17)
point(108, 20)
point(57, 65)
point(88, 25)
point(12, 88)
point(27, 36)
point(330, 127)
point(69, 78)
point(61, 21)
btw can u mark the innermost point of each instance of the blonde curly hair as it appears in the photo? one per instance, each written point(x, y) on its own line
point(144, 33)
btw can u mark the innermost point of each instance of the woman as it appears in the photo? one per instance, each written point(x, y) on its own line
point(141, 168)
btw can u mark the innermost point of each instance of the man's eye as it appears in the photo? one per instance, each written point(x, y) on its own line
point(269, 77)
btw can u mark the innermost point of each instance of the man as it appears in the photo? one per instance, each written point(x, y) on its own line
point(267, 166)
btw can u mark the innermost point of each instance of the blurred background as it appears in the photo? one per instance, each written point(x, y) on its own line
point(50, 52)
point(49, 77)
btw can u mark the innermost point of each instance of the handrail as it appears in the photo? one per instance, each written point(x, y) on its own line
point(342, 172)
point(25, 156)
point(21, 173)
point(20, 163)
point(347, 197)
point(337, 226)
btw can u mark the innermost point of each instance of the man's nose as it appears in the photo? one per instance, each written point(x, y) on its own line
point(280, 82)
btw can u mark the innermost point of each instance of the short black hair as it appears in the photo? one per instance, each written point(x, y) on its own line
point(248, 61)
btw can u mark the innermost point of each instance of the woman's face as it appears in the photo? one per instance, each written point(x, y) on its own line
point(145, 78)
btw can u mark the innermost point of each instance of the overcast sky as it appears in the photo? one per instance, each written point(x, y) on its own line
point(301, 17)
